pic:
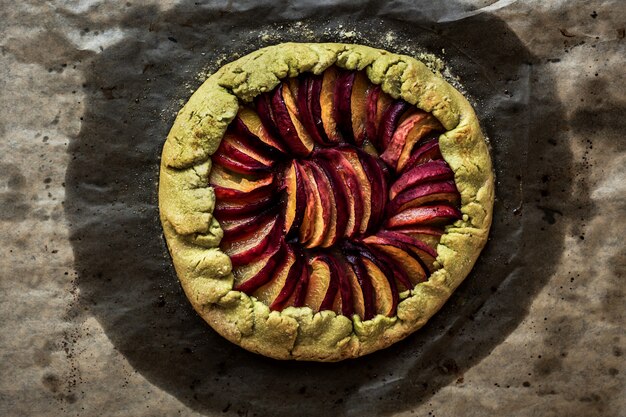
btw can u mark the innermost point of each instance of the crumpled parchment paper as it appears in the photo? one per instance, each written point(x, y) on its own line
point(93, 319)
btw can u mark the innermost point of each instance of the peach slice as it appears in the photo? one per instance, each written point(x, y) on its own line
point(329, 207)
point(231, 210)
point(233, 186)
point(307, 226)
point(421, 194)
point(428, 171)
point(428, 235)
point(389, 122)
point(319, 284)
point(313, 235)
point(309, 107)
point(328, 103)
point(248, 123)
point(287, 121)
point(240, 163)
point(296, 198)
point(340, 199)
point(358, 107)
point(403, 258)
point(405, 129)
point(425, 216)
point(365, 188)
point(297, 274)
point(427, 126)
point(428, 151)
point(268, 292)
point(363, 279)
point(245, 227)
point(299, 293)
point(378, 181)
point(246, 250)
point(377, 104)
point(385, 301)
point(344, 173)
point(427, 254)
point(251, 276)
point(402, 280)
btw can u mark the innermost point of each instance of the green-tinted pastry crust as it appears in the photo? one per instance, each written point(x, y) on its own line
point(186, 203)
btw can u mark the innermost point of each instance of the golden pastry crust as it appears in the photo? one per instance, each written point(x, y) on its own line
point(186, 203)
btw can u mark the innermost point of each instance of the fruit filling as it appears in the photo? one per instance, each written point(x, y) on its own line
point(332, 195)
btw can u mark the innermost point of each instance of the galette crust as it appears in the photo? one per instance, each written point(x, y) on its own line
point(186, 203)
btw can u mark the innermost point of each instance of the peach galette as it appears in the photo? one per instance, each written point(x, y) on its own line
point(322, 201)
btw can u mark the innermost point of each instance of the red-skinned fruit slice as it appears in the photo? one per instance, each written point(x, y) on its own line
point(291, 282)
point(424, 216)
point(343, 103)
point(346, 175)
point(427, 127)
point(263, 104)
point(287, 122)
point(231, 210)
point(234, 187)
point(338, 267)
point(323, 286)
point(365, 189)
point(243, 165)
point(428, 151)
point(269, 291)
point(307, 227)
point(356, 263)
point(327, 105)
point(337, 185)
point(297, 298)
point(385, 300)
point(389, 122)
point(239, 147)
point(377, 104)
point(248, 124)
point(358, 300)
point(358, 107)
point(428, 171)
point(244, 228)
point(427, 254)
point(378, 181)
point(428, 235)
point(315, 104)
point(317, 226)
point(329, 207)
point(386, 296)
point(296, 197)
point(421, 194)
point(403, 257)
point(401, 135)
point(402, 279)
point(308, 100)
point(250, 277)
point(264, 239)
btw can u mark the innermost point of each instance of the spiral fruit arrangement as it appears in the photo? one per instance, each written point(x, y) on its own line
point(332, 195)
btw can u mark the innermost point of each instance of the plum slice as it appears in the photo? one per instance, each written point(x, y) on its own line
point(246, 250)
point(427, 151)
point(287, 121)
point(249, 124)
point(343, 103)
point(309, 107)
point(421, 194)
point(250, 277)
point(428, 171)
point(426, 215)
point(232, 186)
point(296, 198)
point(328, 103)
point(358, 107)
